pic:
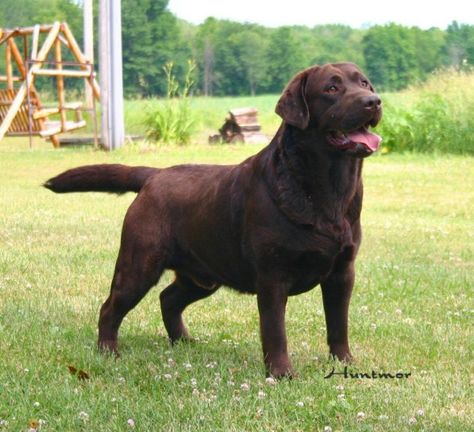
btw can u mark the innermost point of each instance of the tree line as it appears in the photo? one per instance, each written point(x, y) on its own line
point(241, 58)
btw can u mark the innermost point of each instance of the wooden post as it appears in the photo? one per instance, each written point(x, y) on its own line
point(21, 65)
point(74, 47)
point(63, 73)
point(17, 56)
point(25, 47)
point(20, 96)
point(60, 82)
point(8, 65)
point(88, 46)
point(35, 42)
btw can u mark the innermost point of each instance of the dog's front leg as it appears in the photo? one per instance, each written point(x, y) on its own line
point(337, 290)
point(272, 298)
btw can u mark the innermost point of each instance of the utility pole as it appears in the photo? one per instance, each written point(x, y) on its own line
point(88, 23)
point(110, 69)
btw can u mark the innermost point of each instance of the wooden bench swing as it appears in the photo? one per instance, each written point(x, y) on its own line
point(21, 111)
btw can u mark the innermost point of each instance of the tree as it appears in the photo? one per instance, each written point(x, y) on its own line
point(390, 56)
point(204, 52)
point(429, 47)
point(459, 47)
point(251, 49)
point(235, 58)
point(335, 43)
point(151, 38)
point(29, 12)
point(284, 57)
point(229, 56)
point(136, 46)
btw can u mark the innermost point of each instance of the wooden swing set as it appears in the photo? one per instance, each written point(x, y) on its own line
point(21, 111)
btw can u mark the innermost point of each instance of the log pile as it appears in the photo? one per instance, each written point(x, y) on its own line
point(241, 125)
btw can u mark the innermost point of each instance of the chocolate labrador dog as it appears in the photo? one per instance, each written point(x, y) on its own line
point(276, 225)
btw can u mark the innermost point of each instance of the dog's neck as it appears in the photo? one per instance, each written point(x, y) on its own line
point(314, 183)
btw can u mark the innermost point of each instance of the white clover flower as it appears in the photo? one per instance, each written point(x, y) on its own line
point(83, 416)
point(360, 415)
point(261, 394)
point(245, 387)
point(271, 381)
point(412, 421)
point(299, 404)
point(131, 423)
point(327, 429)
point(420, 413)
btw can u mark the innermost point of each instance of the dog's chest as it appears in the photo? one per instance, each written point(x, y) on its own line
point(307, 256)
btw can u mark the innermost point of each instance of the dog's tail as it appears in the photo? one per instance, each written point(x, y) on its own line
point(113, 178)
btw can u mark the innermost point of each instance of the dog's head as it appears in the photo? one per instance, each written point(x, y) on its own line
point(338, 101)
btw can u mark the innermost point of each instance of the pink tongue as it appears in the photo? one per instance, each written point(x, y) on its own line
point(369, 139)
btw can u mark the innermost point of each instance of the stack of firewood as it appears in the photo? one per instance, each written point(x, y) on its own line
point(241, 125)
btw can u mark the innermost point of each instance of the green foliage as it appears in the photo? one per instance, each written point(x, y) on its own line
point(172, 120)
point(284, 59)
point(333, 43)
point(437, 117)
point(390, 56)
point(242, 58)
point(151, 38)
point(460, 45)
point(230, 57)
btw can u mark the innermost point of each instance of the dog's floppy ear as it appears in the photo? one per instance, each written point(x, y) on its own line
point(292, 106)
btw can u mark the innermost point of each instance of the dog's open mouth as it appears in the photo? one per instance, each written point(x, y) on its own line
point(352, 140)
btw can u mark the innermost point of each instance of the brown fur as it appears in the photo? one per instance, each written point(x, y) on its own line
point(276, 225)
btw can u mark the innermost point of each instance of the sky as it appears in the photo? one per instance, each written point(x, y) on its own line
point(356, 13)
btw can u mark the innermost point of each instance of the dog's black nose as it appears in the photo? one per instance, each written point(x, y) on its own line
point(372, 102)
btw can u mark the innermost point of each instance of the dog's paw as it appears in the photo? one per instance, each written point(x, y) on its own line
point(108, 347)
point(182, 340)
point(341, 353)
point(279, 373)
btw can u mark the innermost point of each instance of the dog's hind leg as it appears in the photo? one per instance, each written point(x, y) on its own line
point(140, 264)
point(175, 298)
point(133, 278)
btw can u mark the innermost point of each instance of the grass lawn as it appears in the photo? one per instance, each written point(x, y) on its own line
point(412, 312)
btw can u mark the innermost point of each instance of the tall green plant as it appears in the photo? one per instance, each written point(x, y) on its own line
point(438, 118)
point(171, 120)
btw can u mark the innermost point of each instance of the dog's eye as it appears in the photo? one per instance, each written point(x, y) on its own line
point(332, 89)
point(364, 83)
